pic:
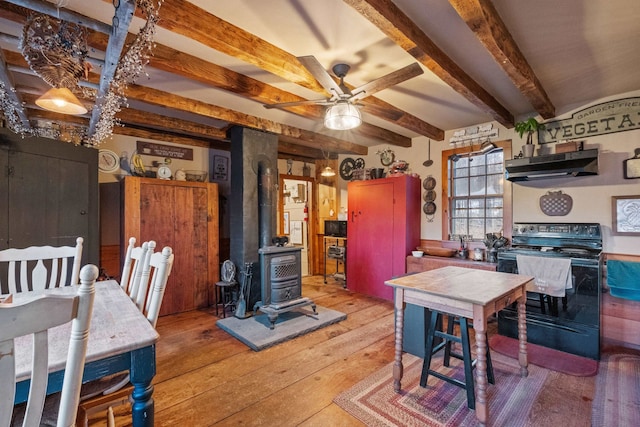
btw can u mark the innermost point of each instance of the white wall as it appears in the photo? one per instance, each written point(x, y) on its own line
point(591, 194)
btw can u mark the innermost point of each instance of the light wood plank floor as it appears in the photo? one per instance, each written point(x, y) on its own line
point(205, 377)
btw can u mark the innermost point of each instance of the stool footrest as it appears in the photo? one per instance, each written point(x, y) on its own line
point(450, 380)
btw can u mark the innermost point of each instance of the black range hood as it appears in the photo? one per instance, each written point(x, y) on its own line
point(575, 163)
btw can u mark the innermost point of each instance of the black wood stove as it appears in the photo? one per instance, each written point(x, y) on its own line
point(570, 323)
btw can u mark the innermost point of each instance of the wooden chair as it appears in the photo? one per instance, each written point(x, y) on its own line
point(147, 291)
point(40, 267)
point(26, 318)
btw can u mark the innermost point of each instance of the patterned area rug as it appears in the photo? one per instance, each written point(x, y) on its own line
point(374, 402)
point(617, 401)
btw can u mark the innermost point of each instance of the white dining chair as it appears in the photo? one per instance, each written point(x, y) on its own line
point(147, 292)
point(26, 318)
point(40, 267)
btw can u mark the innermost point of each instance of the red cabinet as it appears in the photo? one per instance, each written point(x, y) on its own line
point(384, 227)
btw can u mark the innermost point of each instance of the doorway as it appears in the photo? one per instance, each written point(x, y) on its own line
point(295, 215)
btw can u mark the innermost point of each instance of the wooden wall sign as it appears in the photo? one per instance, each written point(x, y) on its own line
point(600, 119)
point(159, 150)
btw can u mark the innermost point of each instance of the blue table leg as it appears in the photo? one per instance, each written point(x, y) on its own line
point(143, 368)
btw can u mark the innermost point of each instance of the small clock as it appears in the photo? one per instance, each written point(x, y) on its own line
point(164, 172)
point(108, 161)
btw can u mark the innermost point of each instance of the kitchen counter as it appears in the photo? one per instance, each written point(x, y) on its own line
point(427, 262)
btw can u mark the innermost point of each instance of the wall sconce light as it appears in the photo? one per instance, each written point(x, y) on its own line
point(61, 100)
point(342, 116)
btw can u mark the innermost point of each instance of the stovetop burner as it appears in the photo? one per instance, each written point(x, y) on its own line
point(582, 240)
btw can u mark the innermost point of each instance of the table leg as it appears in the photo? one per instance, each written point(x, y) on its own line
point(143, 369)
point(522, 336)
point(480, 326)
point(397, 366)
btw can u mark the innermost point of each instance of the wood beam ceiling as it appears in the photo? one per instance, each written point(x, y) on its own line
point(183, 17)
point(483, 19)
point(405, 33)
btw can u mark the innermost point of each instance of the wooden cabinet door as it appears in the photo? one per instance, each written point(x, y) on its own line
point(182, 216)
point(370, 237)
point(50, 192)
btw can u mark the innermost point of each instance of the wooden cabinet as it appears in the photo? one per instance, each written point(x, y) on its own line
point(384, 227)
point(183, 215)
point(48, 194)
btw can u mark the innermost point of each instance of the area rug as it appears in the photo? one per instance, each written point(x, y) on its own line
point(617, 400)
point(374, 402)
point(549, 358)
point(256, 333)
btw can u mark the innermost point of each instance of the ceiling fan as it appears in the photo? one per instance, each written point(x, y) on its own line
point(342, 113)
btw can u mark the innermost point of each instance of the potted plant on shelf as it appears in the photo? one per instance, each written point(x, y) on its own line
point(528, 126)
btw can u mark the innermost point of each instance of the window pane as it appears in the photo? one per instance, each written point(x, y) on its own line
point(494, 184)
point(460, 187)
point(475, 201)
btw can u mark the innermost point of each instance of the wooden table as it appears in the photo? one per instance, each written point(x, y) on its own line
point(120, 339)
point(474, 294)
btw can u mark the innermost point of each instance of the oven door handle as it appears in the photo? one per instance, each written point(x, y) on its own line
point(544, 324)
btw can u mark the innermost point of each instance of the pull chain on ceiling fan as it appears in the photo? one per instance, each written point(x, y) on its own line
point(342, 112)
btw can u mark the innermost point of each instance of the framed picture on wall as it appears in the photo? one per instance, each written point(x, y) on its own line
point(220, 168)
point(626, 215)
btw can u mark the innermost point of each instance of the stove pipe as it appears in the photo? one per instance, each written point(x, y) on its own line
point(266, 196)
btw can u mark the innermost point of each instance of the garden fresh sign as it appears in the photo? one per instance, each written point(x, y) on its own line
point(600, 119)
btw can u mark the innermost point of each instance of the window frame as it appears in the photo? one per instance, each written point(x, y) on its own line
point(507, 208)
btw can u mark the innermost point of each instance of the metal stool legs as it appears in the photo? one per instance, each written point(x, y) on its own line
point(469, 363)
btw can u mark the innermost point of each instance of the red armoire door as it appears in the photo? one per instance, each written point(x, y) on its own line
point(370, 237)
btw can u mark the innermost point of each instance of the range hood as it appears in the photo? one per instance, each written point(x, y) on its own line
point(575, 163)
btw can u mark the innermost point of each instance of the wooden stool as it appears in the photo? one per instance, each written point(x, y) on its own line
point(449, 337)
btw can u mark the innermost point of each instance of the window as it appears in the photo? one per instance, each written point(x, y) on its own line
point(478, 197)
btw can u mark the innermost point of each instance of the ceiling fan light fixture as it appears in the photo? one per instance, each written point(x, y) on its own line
point(342, 116)
point(327, 171)
point(61, 100)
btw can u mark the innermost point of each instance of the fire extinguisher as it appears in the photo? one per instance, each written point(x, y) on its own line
point(306, 212)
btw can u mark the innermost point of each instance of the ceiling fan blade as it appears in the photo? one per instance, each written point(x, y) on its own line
point(321, 75)
point(295, 103)
point(386, 81)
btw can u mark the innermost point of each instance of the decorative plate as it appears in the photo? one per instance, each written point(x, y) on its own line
point(429, 196)
point(108, 161)
point(429, 183)
point(228, 271)
point(429, 208)
point(346, 168)
point(556, 203)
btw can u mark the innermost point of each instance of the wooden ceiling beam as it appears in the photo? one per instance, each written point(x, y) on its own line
point(304, 137)
point(483, 19)
point(180, 103)
point(185, 18)
point(405, 33)
point(130, 116)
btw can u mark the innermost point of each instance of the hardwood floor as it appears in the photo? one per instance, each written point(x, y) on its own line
point(205, 377)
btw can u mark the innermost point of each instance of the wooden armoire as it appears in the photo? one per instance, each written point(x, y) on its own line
point(184, 216)
point(383, 228)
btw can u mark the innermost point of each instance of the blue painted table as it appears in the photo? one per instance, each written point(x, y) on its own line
point(120, 339)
